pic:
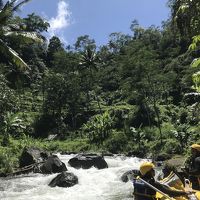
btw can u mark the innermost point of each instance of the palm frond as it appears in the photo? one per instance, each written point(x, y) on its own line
point(10, 53)
point(12, 2)
point(27, 36)
point(5, 13)
point(14, 27)
point(15, 8)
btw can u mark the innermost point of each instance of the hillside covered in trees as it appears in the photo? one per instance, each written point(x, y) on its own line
point(137, 94)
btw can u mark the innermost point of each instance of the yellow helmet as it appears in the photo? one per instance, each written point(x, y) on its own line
point(146, 167)
point(196, 146)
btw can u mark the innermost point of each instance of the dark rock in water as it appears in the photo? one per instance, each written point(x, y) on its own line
point(159, 163)
point(89, 154)
point(68, 152)
point(192, 99)
point(52, 165)
point(88, 161)
point(32, 155)
point(107, 154)
point(3, 174)
point(130, 175)
point(139, 154)
point(162, 157)
point(65, 179)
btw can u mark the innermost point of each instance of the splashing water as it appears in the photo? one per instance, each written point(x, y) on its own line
point(93, 184)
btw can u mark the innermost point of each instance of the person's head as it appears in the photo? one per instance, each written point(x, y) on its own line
point(147, 169)
point(195, 149)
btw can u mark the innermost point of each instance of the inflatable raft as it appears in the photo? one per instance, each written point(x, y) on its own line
point(174, 182)
point(195, 196)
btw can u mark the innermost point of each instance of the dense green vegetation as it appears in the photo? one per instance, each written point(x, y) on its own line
point(137, 94)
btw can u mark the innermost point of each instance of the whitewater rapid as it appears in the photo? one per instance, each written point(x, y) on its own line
point(94, 184)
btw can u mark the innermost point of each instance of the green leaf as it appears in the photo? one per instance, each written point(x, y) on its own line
point(8, 52)
point(196, 81)
point(195, 42)
point(19, 4)
point(5, 13)
point(196, 39)
point(196, 62)
point(192, 47)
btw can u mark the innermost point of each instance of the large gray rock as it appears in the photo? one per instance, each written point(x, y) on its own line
point(88, 161)
point(31, 156)
point(65, 179)
point(130, 175)
point(52, 165)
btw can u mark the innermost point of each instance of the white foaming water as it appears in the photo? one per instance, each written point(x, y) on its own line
point(93, 184)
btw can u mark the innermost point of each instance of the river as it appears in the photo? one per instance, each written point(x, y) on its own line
point(93, 184)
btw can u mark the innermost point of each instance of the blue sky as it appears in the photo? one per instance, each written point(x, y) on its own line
point(96, 18)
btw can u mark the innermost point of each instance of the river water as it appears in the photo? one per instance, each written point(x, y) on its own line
point(93, 184)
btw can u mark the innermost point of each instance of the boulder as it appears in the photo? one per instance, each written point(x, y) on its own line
point(130, 175)
point(88, 161)
point(107, 154)
point(139, 154)
point(52, 165)
point(162, 157)
point(31, 156)
point(68, 152)
point(2, 174)
point(65, 179)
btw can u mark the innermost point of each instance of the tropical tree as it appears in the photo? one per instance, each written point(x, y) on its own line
point(98, 128)
point(136, 29)
point(84, 42)
point(64, 99)
point(185, 15)
point(54, 46)
point(9, 28)
point(13, 126)
point(182, 134)
point(7, 98)
point(88, 61)
point(138, 136)
point(87, 66)
point(117, 41)
point(35, 23)
point(8, 101)
point(196, 64)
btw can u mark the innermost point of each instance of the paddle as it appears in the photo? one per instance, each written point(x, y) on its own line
point(157, 190)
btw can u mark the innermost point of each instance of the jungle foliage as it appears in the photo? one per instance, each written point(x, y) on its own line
point(138, 93)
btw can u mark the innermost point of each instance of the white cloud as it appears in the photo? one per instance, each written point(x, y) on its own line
point(61, 21)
